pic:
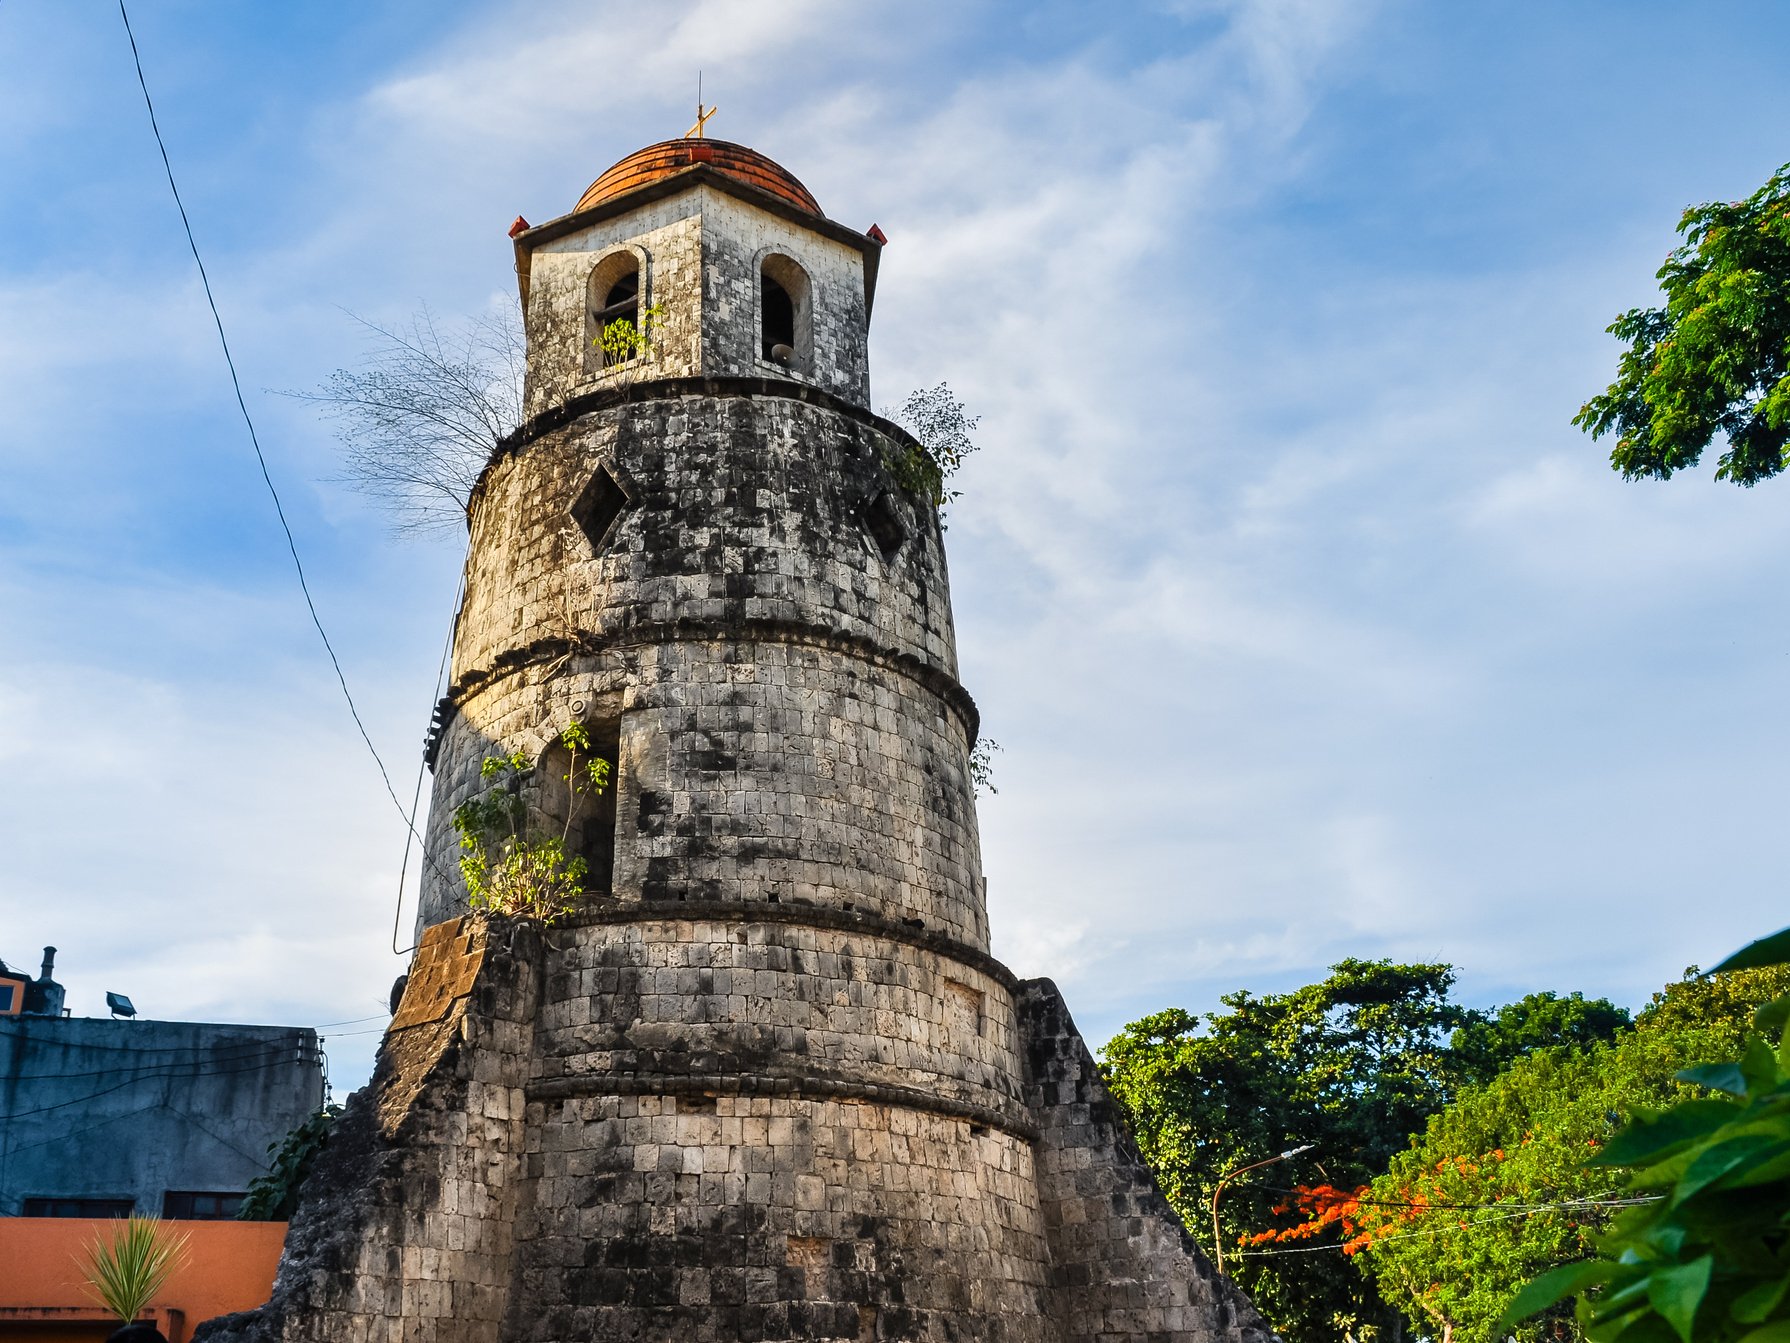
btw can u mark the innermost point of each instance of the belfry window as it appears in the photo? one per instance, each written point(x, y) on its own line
point(613, 323)
point(784, 314)
point(583, 817)
point(779, 335)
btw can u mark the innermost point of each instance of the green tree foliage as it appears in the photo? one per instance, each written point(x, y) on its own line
point(1716, 358)
point(621, 341)
point(1498, 1189)
point(1353, 1065)
point(941, 429)
point(1491, 1042)
point(511, 866)
point(1704, 1254)
point(273, 1197)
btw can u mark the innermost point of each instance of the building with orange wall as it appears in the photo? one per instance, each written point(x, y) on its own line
point(44, 1298)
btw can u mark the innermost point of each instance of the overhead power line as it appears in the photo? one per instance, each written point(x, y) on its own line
point(171, 1073)
point(1448, 1207)
point(242, 405)
point(224, 1044)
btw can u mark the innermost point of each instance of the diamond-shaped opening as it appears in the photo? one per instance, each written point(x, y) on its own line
point(885, 524)
point(597, 508)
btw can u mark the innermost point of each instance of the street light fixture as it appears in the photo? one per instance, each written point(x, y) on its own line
point(1217, 1238)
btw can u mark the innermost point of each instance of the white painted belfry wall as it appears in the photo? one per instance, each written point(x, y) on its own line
point(703, 249)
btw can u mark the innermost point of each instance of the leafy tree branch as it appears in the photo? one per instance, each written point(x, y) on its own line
point(1715, 359)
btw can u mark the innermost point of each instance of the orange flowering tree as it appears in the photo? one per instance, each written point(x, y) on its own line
point(1351, 1065)
point(1700, 1256)
point(1497, 1189)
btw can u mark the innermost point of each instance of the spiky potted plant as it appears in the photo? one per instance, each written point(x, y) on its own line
point(125, 1273)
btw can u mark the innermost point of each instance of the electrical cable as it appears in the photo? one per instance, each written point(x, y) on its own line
point(255, 1158)
point(416, 794)
point(166, 1068)
point(44, 1042)
point(242, 405)
point(150, 1077)
point(66, 1135)
point(1453, 1207)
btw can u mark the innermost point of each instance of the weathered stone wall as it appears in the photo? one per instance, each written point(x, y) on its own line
point(745, 501)
point(577, 1136)
point(735, 240)
point(791, 726)
point(1123, 1267)
point(760, 1217)
point(405, 1230)
point(667, 236)
point(798, 1127)
point(861, 1008)
point(702, 249)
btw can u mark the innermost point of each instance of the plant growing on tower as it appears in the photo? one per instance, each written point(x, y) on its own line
point(512, 867)
point(621, 341)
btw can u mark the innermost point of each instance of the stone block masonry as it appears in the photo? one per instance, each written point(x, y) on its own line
point(790, 722)
point(1122, 1264)
point(505, 1177)
point(405, 1231)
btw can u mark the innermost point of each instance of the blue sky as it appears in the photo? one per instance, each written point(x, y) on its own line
point(1309, 626)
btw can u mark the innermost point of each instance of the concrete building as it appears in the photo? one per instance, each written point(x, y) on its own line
point(767, 1081)
point(108, 1117)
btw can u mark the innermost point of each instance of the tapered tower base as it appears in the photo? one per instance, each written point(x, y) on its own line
point(476, 1192)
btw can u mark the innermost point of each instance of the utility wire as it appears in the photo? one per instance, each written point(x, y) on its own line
point(1452, 1207)
point(416, 793)
point(36, 1041)
point(157, 1076)
point(242, 405)
point(171, 1067)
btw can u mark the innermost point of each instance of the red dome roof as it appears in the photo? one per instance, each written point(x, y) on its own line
point(675, 156)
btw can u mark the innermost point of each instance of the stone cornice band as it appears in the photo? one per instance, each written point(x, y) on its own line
point(513, 661)
point(800, 915)
point(804, 1087)
point(814, 1086)
point(676, 389)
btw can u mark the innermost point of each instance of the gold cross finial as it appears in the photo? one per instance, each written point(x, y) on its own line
point(702, 120)
point(702, 117)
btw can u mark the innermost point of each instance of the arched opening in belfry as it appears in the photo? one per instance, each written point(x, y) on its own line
point(779, 335)
point(612, 327)
point(564, 805)
point(785, 322)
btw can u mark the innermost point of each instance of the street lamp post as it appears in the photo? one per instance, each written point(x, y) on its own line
point(1217, 1238)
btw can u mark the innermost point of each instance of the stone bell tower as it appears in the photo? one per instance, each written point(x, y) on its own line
point(698, 552)
point(767, 1081)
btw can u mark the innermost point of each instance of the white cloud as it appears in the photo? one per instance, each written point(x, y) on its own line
point(1308, 625)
